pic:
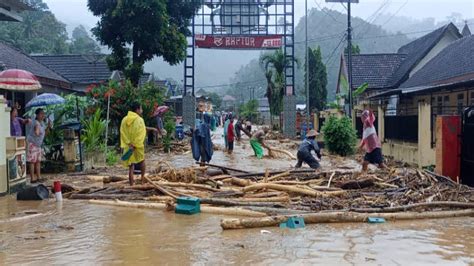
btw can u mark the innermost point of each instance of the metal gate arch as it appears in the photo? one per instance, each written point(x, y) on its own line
point(467, 147)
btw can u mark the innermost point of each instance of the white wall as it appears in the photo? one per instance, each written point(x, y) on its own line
point(447, 39)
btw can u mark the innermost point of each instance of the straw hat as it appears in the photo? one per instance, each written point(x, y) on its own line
point(312, 133)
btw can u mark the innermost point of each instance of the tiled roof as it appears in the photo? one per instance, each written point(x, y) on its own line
point(83, 69)
point(228, 98)
point(417, 50)
point(375, 69)
point(14, 58)
point(466, 31)
point(455, 63)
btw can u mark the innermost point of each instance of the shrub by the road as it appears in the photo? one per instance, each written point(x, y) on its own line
point(339, 136)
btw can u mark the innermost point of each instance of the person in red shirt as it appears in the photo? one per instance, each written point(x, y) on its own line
point(230, 136)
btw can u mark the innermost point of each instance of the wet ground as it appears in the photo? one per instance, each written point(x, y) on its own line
point(76, 232)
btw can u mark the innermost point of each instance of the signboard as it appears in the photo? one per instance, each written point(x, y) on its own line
point(238, 42)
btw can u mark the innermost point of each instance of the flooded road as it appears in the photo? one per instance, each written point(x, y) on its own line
point(78, 233)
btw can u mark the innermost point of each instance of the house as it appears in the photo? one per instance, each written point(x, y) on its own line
point(264, 111)
point(228, 103)
point(80, 70)
point(430, 76)
point(388, 71)
point(50, 81)
point(10, 10)
point(171, 87)
point(466, 31)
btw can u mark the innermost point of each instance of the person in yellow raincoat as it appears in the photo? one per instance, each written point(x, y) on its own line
point(132, 137)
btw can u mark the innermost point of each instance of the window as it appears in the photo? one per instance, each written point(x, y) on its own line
point(472, 98)
point(440, 105)
point(460, 103)
point(446, 100)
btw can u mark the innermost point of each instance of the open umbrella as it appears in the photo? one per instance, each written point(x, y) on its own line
point(160, 110)
point(18, 80)
point(45, 99)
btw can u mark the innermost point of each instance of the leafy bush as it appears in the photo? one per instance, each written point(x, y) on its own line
point(170, 127)
point(93, 132)
point(122, 95)
point(112, 158)
point(339, 136)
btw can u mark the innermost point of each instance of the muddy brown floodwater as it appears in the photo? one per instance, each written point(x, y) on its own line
point(77, 233)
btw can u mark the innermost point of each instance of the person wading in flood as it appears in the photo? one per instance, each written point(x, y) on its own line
point(257, 142)
point(230, 135)
point(304, 151)
point(370, 142)
point(228, 119)
point(132, 138)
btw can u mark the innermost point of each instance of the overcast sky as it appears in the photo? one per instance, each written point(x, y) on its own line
point(75, 12)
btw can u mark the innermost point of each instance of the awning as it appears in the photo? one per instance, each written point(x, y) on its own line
point(420, 89)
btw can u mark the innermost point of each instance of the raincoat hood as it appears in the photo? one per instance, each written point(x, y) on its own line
point(130, 118)
point(132, 131)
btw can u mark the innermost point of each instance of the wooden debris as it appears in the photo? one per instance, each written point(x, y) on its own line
point(163, 206)
point(340, 217)
point(161, 189)
point(357, 184)
point(278, 176)
point(330, 179)
point(291, 189)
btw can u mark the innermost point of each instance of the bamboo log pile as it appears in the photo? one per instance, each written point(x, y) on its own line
point(395, 193)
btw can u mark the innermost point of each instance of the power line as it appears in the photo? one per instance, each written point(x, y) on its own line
point(325, 37)
point(399, 33)
point(394, 14)
point(370, 19)
point(231, 84)
point(335, 49)
point(326, 12)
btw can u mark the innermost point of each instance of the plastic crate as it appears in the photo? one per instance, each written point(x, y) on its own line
point(188, 205)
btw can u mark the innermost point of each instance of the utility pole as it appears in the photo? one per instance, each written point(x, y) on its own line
point(308, 114)
point(349, 47)
point(349, 54)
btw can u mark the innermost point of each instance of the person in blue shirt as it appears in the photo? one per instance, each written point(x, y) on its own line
point(304, 151)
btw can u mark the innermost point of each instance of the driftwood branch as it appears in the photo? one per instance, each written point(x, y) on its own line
point(340, 217)
point(434, 204)
point(292, 189)
point(163, 206)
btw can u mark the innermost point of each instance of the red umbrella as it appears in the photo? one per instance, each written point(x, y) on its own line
point(18, 80)
point(160, 110)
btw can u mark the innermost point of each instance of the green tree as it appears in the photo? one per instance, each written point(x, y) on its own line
point(82, 43)
point(318, 80)
point(215, 99)
point(249, 111)
point(148, 27)
point(274, 65)
point(40, 31)
point(355, 49)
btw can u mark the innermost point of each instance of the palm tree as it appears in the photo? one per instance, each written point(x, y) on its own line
point(275, 65)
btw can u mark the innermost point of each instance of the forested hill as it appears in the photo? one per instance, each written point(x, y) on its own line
point(41, 33)
point(327, 29)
